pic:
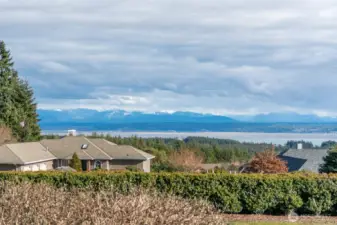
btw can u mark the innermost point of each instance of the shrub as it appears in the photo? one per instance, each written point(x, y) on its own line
point(43, 204)
point(186, 159)
point(242, 193)
point(75, 163)
point(133, 169)
point(267, 162)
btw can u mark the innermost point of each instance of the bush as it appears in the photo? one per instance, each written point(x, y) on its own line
point(267, 162)
point(75, 163)
point(242, 193)
point(133, 169)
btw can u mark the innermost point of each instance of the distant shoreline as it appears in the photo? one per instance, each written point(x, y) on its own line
point(256, 137)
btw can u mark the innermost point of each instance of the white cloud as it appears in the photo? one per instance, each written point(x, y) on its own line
point(55, 67)
point(216, 56)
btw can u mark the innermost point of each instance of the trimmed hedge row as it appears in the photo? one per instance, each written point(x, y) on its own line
point(244, 193)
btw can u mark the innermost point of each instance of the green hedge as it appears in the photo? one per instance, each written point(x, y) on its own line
point(246, 193)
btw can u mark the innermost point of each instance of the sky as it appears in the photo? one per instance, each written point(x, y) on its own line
point(217, 56)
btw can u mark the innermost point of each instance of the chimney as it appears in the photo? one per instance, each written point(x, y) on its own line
point(71, 133)
point(299, 146)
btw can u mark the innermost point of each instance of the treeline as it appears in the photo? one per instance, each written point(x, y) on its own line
point(309, 145)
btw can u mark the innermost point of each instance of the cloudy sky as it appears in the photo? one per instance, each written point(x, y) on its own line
point(215, 56)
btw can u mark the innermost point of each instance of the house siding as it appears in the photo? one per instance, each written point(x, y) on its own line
point(146, 166)
point(40, 166)
point(122, 164)
point(60, 162)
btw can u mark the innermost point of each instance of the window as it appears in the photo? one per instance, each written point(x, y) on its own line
point(97, 165)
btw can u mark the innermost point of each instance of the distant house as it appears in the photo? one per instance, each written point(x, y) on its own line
point(57, 153)
point(304, 159)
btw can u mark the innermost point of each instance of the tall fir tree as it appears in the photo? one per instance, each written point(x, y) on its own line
point(17, 103)
point(330, 162)
point(6, 85)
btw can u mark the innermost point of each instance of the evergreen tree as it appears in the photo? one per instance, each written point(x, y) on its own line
point(330, 163)
point(26, 107)
point(75, 163)
point(17, 103)
point(6, 85)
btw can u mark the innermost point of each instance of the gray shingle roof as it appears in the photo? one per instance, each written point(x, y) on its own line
point(313, 158)
point(294, 164)
point(24, 153)
point(65, 148)
point(97, 149)
point(126, 152)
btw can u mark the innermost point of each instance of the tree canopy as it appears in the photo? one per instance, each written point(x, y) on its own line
point(17, 103)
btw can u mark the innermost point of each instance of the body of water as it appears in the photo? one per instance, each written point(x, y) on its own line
point(274, 138)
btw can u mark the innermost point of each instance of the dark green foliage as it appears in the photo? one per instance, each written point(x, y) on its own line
point(243, 193)
point(328, 144)
point(330, 163)
point(75, 163)
point(17, 103)
point(293, 144)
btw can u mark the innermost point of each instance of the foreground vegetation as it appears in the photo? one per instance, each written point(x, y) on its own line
point(43, 204)
point(28, 203)
point(250, 194)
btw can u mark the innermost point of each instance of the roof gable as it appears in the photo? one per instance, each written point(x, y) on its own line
point(67, 146)
point(24, 153)
point(8, 157)
point(121, 151)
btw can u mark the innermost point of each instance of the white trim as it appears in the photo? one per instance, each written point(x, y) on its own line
point(141, 153)
point(109, 142)
point(43, 160)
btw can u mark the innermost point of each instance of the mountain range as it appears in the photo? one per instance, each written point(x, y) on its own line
point(122, 116)
point(121, 120)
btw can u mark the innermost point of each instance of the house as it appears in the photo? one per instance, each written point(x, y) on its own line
point(304, 159)
point(57, 153)
point(97, 153)
point(25, 157)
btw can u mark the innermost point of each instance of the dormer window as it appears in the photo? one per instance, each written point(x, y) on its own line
point(84, 146)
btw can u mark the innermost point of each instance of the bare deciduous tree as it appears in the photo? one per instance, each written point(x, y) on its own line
point(5, 135)
point(186, 159)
